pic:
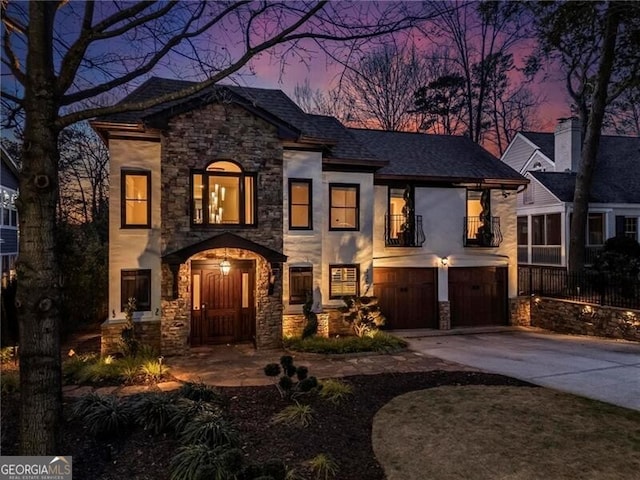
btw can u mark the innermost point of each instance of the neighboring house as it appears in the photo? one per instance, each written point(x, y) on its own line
point(8, 216)
point(550, 161)
point(229, 208)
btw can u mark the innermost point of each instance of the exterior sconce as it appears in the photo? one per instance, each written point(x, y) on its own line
point(444, 261)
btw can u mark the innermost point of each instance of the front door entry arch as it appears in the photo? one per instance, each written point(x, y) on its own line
point(223, 306)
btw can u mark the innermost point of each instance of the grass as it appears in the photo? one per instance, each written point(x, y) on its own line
point(324, 467)
point(298, 414)
point(505, 432)
point(378, 342)
point(335, 390)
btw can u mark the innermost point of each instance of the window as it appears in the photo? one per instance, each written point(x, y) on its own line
point(300, 204)
point(545, 230)
point(344, 280)
point(8, 212)
point(136, 284)
point(400, 209)
point(344, 208)
point(300, 284)
point(136, 199)
point(523, 231)
point(631, 227)
point(223, 195)
point(595, 229)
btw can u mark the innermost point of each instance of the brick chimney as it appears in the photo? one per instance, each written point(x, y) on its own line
point(567, 144)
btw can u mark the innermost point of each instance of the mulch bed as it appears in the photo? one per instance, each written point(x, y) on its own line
point(342, 431)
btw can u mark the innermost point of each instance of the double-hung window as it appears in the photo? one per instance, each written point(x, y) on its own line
point(135, 284)
point(136, 199)
point(344, 210)
point(300, 204)
point(223, 194)
point(344, 280)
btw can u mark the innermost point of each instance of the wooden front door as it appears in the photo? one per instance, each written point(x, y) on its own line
point(407, 296)
point(478, 296)
point(223, 307)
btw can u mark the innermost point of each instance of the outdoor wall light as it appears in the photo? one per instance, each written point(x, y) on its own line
point(587, 310)
point(444, 261)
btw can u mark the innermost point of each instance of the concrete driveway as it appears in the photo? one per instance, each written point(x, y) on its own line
point(602, 369)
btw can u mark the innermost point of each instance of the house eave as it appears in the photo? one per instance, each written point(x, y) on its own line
point(506, 184)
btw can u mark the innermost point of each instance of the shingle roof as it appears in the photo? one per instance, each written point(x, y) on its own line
point(417, 154)
point(544, 141)
point(616, 178)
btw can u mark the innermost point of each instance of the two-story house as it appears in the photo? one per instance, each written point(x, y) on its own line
point(229, 208)
point(550, 161)
point(8, 215)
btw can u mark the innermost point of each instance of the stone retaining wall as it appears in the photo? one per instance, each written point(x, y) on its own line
point(330, 324)
point(566, 316)
point(147, 332)
point(520, 311)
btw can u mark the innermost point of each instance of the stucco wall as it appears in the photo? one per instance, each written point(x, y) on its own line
point(443, 211)
point(134, 248)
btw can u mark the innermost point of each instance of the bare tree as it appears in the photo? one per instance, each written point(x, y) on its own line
point(318, 102)
point(478, 34)
point(379, 87)
point(68, 61)
point(597, 46)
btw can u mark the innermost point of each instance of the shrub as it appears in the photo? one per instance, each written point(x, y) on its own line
point(73, 365)
point(296, 414)
point(363, 314)
point(199, 391)
point(9, 382)
point(154, 370)
point(147, 352)
point(6, 354)
point(128, 338)
point(130, 368)
point(377, 342)
point(104, 415)
point(99, 370)
point(154, 412)
point(311, 328)
point(199, 462)
point(323, 466)
point(187, 409)
point(335, 390)
point(286, 385)
point(209, 428)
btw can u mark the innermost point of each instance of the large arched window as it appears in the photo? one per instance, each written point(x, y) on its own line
point(223, 194)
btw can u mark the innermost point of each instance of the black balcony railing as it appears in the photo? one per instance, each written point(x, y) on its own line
point(403, 231)
point(479, 233)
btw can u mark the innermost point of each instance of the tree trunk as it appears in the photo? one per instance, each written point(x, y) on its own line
point(39, 306)
point(591, 143)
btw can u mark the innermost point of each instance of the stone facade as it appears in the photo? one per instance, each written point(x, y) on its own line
point(147, 332)
point(444, 315)
point(565, 316)
point(330, 324)
point(193, 140)
point(520, 311)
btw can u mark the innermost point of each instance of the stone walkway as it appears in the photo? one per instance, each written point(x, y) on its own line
point(242, 365)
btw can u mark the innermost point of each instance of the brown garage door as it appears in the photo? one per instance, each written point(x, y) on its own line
point(407, 296)
point(478, 296)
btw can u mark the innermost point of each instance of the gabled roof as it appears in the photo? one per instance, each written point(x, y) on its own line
point(616, 178)
point(544, 141)
point(435, 157)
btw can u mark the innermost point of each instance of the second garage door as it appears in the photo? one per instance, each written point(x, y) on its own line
point(478, 296)
point(407, 296)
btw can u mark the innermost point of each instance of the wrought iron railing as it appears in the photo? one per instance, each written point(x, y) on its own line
point(480, 233)
point(403, 231)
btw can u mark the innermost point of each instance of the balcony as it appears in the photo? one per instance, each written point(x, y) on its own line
point(403, 231)
point(479, 233)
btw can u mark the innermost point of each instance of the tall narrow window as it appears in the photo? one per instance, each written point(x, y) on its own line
point(300, 284)
point(300, 204)
point(136, 199)
point(223, 194)
point(595, 229)
point(631, 227)
point(344, 208)
point(344, 280)
point(136, 284)
point(523, 231)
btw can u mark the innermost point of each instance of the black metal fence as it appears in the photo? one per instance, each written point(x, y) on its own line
point(587, 286)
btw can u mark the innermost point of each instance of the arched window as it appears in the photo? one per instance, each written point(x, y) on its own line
point(223, 194)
